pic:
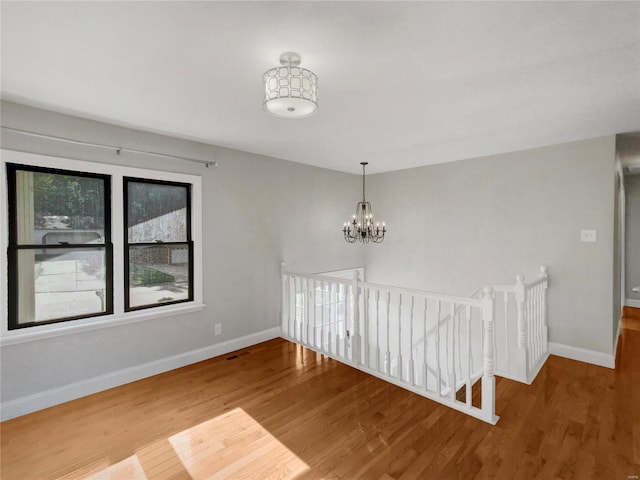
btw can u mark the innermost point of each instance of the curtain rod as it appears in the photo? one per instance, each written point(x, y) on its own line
point(118, 150)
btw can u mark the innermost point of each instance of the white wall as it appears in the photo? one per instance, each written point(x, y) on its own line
point(258, 211)
point(457, 226)
point(453, 227)
point(632, 234)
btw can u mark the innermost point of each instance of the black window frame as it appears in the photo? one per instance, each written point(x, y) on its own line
point(14, 247)
point(126, 244)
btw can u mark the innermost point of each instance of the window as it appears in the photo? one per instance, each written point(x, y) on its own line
point(158, 247)
point(60, 251)
point(90, 245)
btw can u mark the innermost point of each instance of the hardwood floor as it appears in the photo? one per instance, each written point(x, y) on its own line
point(280, 411)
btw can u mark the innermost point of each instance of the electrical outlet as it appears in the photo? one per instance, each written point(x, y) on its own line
point(217, 329)
point(588, 235)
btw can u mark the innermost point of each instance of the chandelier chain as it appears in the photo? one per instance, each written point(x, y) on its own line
point(363, 165)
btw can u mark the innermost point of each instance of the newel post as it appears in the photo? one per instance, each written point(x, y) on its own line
point(488, 378)
point(356, 318)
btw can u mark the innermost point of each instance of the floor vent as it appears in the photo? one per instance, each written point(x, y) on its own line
point(233, 357)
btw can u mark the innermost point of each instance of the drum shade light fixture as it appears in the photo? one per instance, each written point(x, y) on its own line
point(289, 90)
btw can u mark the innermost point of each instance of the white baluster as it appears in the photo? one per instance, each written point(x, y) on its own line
point(328, 316)
point(399, 361)
point(346, 334)
point(469, 363)
point(488, 378)
point(540, 295)
point(312, 301)
point(528, 314)
point(299, 309)
point(356, 319)
point(412, 379)
point(378, 360)
point(451, 356)
point(425, 370)
point(338, 331)
point(537, 323)
point(303, 305)
point(388, 352)
point(321, 316)
point(447, 350)
point(505, 296)
point(292, 306)
point(365, 325)
point(438, 370)
point(522, 367)
point(458, 344)
point(520, 299)
point(307, 296)
point(536, 316)
point(336, 319)
point(300, 300)
point(284, 321)
point(326, 309)
point(290, 323)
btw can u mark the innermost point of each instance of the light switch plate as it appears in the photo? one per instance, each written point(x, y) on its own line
point(588, 235)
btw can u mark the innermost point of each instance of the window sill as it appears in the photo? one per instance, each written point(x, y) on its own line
point(56, 330)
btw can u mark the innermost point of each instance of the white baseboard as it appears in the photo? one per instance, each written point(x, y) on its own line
point(582, 355)
point(631, 302)
point(55, 396)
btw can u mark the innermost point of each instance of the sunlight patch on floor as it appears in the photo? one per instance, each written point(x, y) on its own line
point(234, 446)
point(229, 446)
point(129, 468)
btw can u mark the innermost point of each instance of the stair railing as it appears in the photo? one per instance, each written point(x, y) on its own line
point(367, 325)
point(532, 309)
point(521, 342)
point(432, 344)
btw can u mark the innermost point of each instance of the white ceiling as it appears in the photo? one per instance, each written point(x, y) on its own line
point(402, 84)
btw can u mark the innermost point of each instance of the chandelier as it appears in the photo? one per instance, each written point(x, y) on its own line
point(290, 91)
point(361, 227)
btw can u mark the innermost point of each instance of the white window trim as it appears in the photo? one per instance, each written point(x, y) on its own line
point(119, 317)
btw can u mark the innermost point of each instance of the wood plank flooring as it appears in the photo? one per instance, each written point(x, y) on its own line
point(281, 411)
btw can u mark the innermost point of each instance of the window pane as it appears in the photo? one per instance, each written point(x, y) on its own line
point(156, 212)
point(59, 283)
point(52, 208)
point(158, 274)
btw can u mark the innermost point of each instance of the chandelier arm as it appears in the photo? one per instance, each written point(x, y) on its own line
point(349, 238)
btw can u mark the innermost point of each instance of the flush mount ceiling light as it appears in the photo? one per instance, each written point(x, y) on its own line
point(290, 91)
point(361, 227)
